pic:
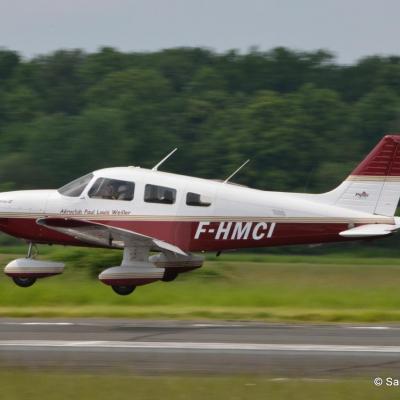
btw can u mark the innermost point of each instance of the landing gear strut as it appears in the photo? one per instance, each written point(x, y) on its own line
point(123, 290)
point(32, 250)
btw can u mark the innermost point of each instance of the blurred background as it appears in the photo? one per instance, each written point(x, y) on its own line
point(304, 120)
point(304, 90)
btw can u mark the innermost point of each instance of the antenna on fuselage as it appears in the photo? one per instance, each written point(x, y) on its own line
point(155, 168)
point(234, 173)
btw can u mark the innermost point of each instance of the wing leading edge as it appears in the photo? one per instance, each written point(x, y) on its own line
point(105, 235)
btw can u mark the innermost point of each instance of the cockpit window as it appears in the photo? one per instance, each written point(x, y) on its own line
point(76, 187)
point(112, 189)
point(159, 194)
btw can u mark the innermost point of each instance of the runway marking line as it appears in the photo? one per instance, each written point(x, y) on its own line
point(373, 328)
point(198, 346)
point(217, 325)
point(39, 323)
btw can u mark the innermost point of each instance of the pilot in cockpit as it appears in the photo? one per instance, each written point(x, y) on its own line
point(109, 192)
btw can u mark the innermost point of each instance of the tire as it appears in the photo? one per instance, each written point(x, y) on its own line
point(24, 281)
point(123, 290)
point(169, 276)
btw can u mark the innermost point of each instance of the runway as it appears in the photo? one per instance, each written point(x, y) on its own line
point(195, 347)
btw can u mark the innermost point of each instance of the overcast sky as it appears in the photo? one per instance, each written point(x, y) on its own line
point(349, 28)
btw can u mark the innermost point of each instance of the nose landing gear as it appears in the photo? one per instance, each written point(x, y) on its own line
point(25, 271)
point(24, 281)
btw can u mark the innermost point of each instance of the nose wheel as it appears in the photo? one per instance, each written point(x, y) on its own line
point(24, 282)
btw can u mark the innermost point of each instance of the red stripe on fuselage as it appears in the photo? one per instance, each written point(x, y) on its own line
point(183, 233)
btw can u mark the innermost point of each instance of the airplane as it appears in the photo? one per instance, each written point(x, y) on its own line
point(143, 210)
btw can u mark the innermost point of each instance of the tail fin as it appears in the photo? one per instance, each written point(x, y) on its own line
point(374, 186)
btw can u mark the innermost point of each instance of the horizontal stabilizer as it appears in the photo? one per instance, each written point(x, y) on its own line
point(369, 230)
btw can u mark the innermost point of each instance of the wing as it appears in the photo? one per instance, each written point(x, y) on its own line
point(105, 235)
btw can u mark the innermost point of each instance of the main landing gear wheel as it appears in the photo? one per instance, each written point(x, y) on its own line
point(24, 282)
point(169, 276)
point(123, 290)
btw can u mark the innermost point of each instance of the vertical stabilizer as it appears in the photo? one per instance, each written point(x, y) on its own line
point(374, 186)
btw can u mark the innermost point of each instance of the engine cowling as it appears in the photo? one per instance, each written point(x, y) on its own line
point(30, 268)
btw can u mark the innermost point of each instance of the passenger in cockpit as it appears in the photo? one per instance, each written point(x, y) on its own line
point(122, 192)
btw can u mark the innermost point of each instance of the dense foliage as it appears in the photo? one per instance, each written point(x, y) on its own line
point(303, 120)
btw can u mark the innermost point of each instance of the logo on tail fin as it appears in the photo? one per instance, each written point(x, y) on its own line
point(362, 195)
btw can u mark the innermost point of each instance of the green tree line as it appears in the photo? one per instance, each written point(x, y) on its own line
point(304, 120)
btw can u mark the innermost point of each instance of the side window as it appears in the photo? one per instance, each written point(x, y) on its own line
point(195, 199)
point(159, 194)
point(112, 189)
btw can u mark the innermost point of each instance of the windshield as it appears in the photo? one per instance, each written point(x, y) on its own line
point(76, 187)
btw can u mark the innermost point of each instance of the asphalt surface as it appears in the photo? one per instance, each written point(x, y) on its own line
point(195, 347)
